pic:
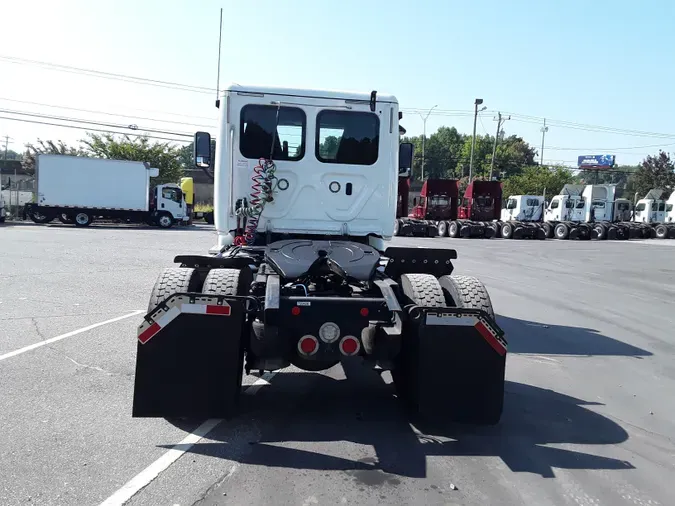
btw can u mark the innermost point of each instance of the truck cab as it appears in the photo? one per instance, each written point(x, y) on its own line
point(318, 166)
point(438, 200)
point(653, 208)
point(482, 201)
point(523, 208)
point(169, 198)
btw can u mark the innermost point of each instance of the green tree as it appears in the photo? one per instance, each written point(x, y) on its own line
point(329, 147)
point(655, 172)
point(46, 147)
point(187, 158)
point(11, 155)
point(534, 179)
point(163, 155)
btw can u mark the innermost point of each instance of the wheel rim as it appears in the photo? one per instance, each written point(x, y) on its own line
point(82, 218)
point(165, 221)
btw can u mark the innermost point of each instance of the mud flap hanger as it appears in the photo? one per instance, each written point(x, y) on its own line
point(190, 303)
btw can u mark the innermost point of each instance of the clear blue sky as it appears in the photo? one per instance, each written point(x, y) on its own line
point(595, 62)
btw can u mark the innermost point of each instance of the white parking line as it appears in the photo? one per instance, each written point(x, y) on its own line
point(145, 477)
point(69, 334)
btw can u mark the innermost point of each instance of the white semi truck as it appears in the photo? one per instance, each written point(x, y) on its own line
point(304, 273)
point(591, 212)
point(522, 217)
point(657, 212)
point(81, 190)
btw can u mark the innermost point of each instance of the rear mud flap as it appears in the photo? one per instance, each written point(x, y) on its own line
point(452, 366)
point(189, 357)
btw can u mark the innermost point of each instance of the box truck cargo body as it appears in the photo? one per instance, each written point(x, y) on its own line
point(80, 190)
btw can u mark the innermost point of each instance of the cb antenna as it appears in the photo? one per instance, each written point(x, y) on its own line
point(220, 37)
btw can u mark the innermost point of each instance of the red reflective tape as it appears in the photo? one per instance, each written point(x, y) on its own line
point(145, 336)
point(224, 310)
point(492, 340)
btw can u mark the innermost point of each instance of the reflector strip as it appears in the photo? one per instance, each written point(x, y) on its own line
point(497, 345)
point(221, 310)
point(455, 321)
point(145, 336)
point(147, 330)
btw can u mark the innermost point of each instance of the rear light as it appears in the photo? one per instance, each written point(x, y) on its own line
point(308, 345)
point(350, 345)
point(295, 311)
point(364, 311)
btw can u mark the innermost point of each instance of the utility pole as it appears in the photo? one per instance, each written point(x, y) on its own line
point(7, 140)
point(424, 137)
point(543, 130)
point(494, 147)
point(476, 103)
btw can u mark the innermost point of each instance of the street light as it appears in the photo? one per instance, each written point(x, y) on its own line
point(476, 103)
point(424, 136)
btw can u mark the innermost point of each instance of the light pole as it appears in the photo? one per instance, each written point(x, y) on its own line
point(543, 131)
point(477, 102)
point(424, 136)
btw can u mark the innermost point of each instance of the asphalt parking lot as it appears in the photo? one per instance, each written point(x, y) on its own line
point(589, 411)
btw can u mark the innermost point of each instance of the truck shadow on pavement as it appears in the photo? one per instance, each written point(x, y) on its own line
point(292, 422)
point(531, 337)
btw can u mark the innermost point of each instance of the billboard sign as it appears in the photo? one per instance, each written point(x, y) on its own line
point(596, 161)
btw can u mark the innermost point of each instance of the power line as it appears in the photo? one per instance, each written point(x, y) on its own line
point(88, 122)
point(93, 129)
point(108, 75)
point(201, 125)
point(206, 90)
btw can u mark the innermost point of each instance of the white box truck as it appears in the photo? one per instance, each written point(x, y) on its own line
point(79, 190)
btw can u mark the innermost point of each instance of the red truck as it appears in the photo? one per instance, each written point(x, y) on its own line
point(439, 211)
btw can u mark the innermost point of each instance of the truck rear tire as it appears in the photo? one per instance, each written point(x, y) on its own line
point(561, 231)
point(442, 229)
point(466, 292)
point(422, 290)
point(548, 230)
point(228, 281)
point(661, 231)
point(453, 229)
point(173, 280)
point(507, 231)
point(231, 282)
point(601, 232)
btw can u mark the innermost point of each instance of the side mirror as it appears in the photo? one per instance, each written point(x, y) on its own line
point(202, 149)
point(405, 157)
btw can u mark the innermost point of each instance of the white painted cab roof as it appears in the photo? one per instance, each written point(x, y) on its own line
point(311, 93)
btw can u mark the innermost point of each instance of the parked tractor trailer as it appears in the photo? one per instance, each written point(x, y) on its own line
point(589, 212)
point(80, 190)
point(283, 286)
point(440, 212)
